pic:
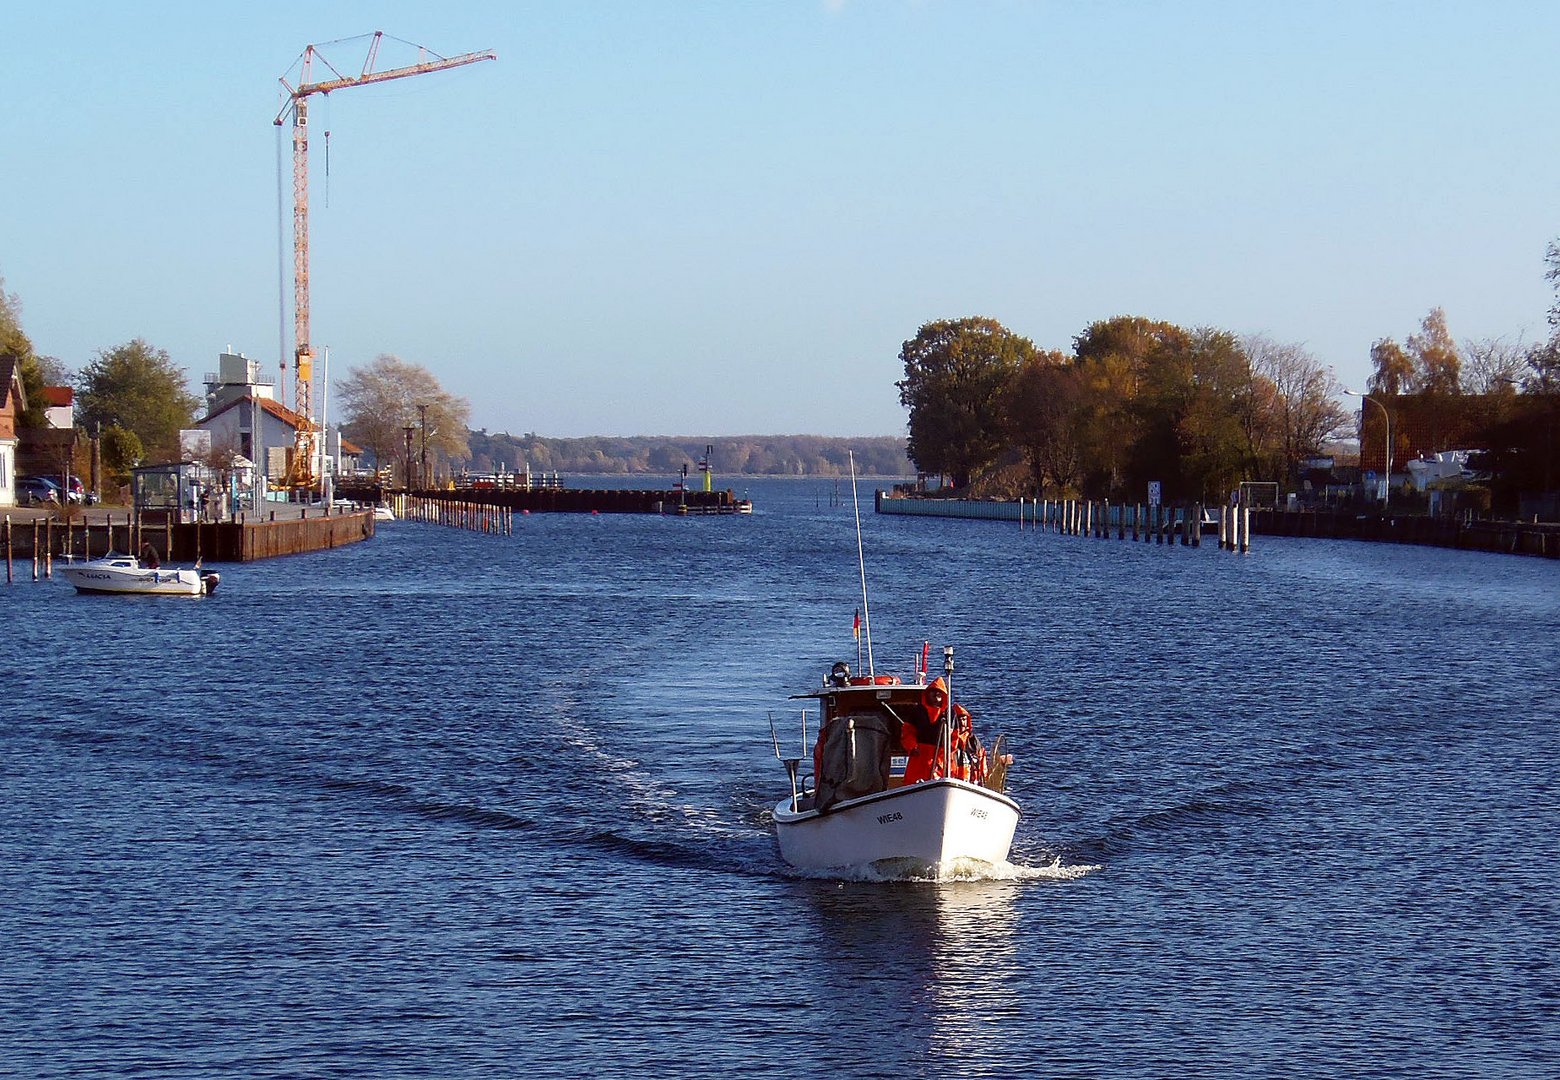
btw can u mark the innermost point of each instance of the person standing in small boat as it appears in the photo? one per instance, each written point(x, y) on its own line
point(149, 557)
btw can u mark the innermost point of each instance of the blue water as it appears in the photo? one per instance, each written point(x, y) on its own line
point(451, 804)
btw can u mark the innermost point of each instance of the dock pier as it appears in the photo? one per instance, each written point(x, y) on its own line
point(40, 537)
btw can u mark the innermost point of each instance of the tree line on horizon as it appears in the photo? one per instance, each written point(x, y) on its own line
point(734, 455)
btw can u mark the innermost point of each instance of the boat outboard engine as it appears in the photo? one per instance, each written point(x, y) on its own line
point(839, 675)
point(209, 582)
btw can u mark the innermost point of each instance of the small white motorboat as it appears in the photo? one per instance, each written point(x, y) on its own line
point(384, 513)
point(944, 811)
point(126, 574)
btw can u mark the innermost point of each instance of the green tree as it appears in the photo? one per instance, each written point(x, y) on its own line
point(137, 388)
point(15, 346)
point(1214, 435)
point(381, 399)
point(956, 374)
point(121, 451)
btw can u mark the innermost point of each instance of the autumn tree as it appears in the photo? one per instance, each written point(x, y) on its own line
point(1124, 361)
point(139, 389)
point(1437, 365)
point(1393, 370)
point(1044, 413)
point(956, 375)
point(379, 400)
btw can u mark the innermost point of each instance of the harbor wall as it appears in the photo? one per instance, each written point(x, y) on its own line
point(226, 541)
point(1505, 537)
point(555, 500)
point(980, 509)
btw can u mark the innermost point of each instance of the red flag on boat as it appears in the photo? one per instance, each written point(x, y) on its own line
point(855, 629)
point(926, 648)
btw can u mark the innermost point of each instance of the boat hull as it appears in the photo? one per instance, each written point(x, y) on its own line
point(931, 826)
point(140, 582)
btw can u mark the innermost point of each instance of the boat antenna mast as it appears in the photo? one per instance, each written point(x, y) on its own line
point(300, 472)
point(861, 563)
point(947, 724)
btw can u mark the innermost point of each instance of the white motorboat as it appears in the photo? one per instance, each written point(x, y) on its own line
point(944, 811)
point(384, 513)
point(126, 574)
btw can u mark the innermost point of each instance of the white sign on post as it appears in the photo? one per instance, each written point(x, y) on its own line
point(1154, 491)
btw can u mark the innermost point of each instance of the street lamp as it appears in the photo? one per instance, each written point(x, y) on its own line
point(409, 429)
point(1386, 499)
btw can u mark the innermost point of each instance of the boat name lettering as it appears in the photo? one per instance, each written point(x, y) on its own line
point(976, 811)
point(884, 819)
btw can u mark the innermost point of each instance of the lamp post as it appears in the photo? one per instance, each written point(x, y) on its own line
point(408, 429)
point(1386, 499)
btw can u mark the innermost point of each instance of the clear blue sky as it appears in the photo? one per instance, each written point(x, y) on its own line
point(725, 217)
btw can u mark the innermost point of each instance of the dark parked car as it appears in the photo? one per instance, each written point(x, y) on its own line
point(31, 490)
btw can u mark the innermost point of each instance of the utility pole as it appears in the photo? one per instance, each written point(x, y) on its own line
point(408, 472)
point(423, 472)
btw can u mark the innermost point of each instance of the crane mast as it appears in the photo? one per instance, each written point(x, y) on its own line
point(300, 470)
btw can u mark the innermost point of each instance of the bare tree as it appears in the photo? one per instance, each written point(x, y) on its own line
point(381, 399)
point(1492, 365)
point(1305, 398)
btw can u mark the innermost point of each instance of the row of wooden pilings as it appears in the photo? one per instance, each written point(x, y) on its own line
point(1150, 524)
point(456, 513)
point(42, 535)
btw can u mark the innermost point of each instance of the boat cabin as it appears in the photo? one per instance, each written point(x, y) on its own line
point(867, 722)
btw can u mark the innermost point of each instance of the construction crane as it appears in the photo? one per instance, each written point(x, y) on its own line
point(300, 470)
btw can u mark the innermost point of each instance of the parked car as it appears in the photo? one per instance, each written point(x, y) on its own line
point(32, 490)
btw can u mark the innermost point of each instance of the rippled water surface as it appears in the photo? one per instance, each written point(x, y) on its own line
point(447, 804)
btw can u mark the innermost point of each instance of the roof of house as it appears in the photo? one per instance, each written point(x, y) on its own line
point(57, 396)
point(10, 375)
point(350, 447)
point(281, 412)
